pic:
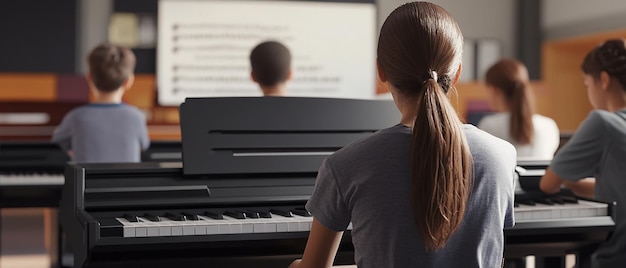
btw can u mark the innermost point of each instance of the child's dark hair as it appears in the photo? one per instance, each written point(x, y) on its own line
point(419, 52)
point(510, 77)
point(271, 63)
point(609, 57)
point(110, 66)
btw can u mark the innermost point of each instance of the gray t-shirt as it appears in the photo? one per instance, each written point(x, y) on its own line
point(598, 149)
point(368, 183)
point(112, 133)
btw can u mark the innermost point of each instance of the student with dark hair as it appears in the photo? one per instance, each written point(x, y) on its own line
point(271, 67)
point(598, 148)
point(429, 191)
point(533, 135)
point(106, 130)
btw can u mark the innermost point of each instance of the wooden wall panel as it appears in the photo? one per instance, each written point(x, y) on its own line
point(568, 102)
point(27, 87)
point(143, 92)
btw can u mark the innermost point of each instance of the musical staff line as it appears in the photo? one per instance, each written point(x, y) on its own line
point(254, 27)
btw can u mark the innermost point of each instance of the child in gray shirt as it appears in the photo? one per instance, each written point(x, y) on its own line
point(598, 148)
point(429, 192)
point(105, 130)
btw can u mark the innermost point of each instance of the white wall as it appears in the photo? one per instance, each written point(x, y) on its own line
point(493, 19)
point(568, 18)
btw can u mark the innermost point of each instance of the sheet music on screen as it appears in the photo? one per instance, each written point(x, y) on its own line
point(203, 47)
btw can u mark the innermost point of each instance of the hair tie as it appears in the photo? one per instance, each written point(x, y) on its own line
point(432, 75)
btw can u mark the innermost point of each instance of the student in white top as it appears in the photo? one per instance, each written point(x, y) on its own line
point(533, 135)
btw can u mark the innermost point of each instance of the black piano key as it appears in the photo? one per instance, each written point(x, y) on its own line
point(111, 228)
point(214, 216)
point(176, 217)
point(301, 212)
point(152, 217)
point(284, 213)
point(545, 201)
point(527, 202)
point(191, 216)
point(557, 200)
point(250, 214)
point(570, 199)
point(515, 204)
point(131, 218)
point(265, 214)
point(235, 214)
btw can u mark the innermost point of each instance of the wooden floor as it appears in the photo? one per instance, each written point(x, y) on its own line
point(24, 244)
point(23, 239)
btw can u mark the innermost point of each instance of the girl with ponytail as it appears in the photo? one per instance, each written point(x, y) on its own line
point(598, 147)
point(533, 135)
point(429, 191)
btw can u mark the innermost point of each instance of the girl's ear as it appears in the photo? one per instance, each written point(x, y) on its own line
point(381, 74)
point(605, 80)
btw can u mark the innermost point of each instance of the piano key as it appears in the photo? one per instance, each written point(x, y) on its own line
point(128, 227)
point(235, 214)
point(545, 201)
point(265, 214)
point(558, 200)
point(31, 179)
point(151, 217)
point(131, 218)
point(176, 217)
point(191, 216)
point(281, 212)
point(527, 202)
point(147, 227)
point(570, 199)
point(250, 214)
point(212, 215)
point(301, 212)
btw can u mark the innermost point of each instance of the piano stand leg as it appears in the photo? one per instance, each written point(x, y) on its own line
point(550, 262)
point(583, 257)
point(515, 263)
point(51, 238)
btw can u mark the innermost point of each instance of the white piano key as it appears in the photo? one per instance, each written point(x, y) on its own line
point(177, 230)
point(127, 227)
point(230, 226)
point(151, 228)
point(31, 179)
point(212, 225)
point(141, 231)
point(200, 227)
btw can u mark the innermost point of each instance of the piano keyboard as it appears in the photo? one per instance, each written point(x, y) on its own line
point(186, 224)
point(31, 179)
point(557, 208)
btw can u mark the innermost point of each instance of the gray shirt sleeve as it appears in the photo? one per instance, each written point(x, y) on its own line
point(144, 139)
point(327, 203)
point(62, 135)
point(580, 157)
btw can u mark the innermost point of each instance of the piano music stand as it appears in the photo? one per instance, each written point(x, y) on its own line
point(274, 134)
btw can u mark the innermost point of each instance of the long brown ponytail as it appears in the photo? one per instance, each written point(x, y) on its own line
point(419, 51)
point(510, 77)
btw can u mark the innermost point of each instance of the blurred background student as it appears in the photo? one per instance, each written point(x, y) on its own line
point(271, 67)
point(533, 135)
point(598, 148)
point(105, 130)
